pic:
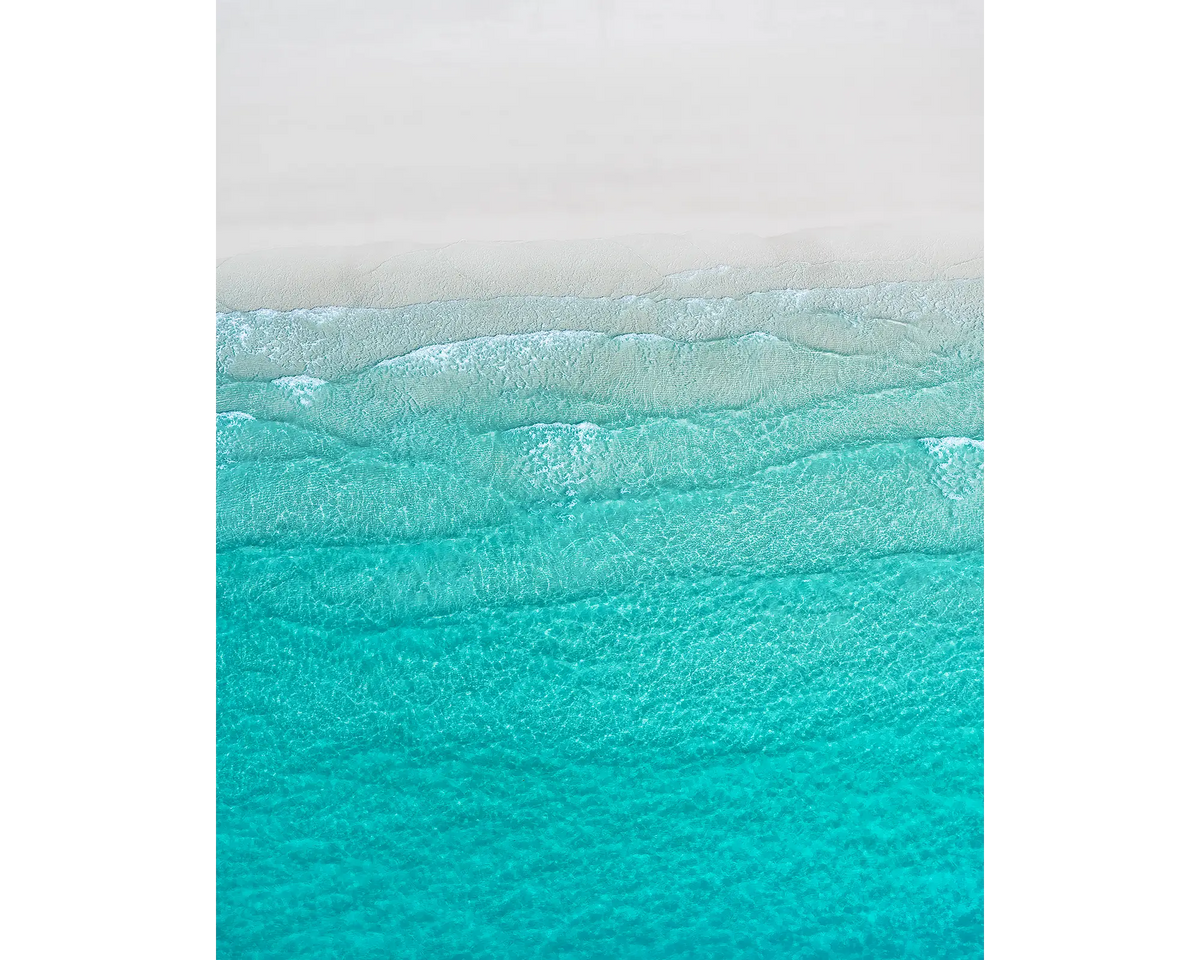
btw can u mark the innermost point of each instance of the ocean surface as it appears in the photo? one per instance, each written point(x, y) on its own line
point(594, 628)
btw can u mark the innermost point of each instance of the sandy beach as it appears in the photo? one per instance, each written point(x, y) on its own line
point(663, 265)
point(596, 149)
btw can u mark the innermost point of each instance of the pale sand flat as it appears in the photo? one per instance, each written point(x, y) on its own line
point(696, 265)
point(397, 152)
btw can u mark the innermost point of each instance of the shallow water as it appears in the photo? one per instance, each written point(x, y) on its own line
point(592, 628)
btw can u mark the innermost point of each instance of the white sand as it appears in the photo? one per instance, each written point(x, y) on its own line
point(461, 139)
point(387, 275)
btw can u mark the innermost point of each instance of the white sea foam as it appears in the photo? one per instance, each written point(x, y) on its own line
point(465, 354)
point(301, 387)
point(239, 325)
point(913, 323)
point(234, 416)
point(461, 354)
point(641, 338)
point(581, 426)
point(759, 336)
point(959, 465)
point(944, 445)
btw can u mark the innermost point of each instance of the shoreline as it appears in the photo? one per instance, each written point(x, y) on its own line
point(666, 266)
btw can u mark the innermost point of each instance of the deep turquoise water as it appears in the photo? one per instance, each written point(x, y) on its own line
point(625, 628)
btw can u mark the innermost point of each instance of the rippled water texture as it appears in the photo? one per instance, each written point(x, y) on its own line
point(551, 627)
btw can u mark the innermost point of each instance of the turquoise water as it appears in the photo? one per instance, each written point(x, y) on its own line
point(552, 627)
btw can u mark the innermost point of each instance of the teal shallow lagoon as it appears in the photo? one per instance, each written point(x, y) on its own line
point(590, 628)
